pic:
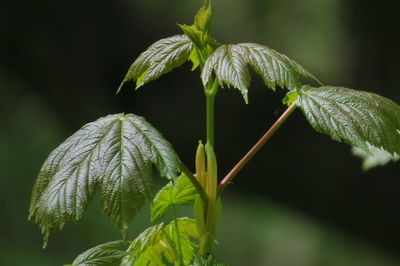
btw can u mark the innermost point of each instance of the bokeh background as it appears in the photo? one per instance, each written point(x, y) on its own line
point(303, 200)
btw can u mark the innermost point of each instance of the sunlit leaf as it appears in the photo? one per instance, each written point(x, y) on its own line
point(361, 119)
point(160, 58)
point(115, 153)
point(230, 65)
point(180, 192)
point(159, 243)
point(106, 254)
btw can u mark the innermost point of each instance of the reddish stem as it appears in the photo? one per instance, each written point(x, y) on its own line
point(235, 170)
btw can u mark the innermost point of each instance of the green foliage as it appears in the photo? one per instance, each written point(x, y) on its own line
point(290, 98)
point(115, 153)
point(160, 58)
point(180, 192)
point(358, 118)
point(158, 244)
point(203, 44)
point(106, 254)
point(230, 64)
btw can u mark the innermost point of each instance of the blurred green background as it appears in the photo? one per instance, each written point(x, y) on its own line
point(303, 200)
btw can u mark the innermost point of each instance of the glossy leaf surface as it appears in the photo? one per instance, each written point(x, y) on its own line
point(106, 254)
point(180, 192)
point(116, 154)
point(160, 58)
point(230, 65)
point(358, 118)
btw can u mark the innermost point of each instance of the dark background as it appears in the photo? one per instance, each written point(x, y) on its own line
point(60, 65)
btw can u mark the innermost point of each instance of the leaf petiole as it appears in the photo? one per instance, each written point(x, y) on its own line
point(178, 237)
point(235, 170)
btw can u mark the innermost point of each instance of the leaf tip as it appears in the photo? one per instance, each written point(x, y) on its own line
point(46, 235)
point(120, 86)
point(245, 97)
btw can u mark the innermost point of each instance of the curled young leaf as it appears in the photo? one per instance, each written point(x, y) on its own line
point(115, 153)
point(361, 119)
point(160, 58)
point(202, 20)
point(230, 65)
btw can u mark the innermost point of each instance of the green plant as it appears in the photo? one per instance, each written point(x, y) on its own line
point(116, 154)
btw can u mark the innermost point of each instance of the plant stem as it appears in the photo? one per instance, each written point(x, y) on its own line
point(210, 119)
point(235, 170)
point(178, 236)
point(195, 183)
point(210, 92)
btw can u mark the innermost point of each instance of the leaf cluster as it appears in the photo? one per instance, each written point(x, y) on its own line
point(117, 155)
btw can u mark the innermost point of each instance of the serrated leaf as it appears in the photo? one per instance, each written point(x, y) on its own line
point(361, 119)
point(115, 153)
point(160, 58)
point(106, 254)
point(180, 192)
point(375, 157)
point(230, 65)
point(159, 243)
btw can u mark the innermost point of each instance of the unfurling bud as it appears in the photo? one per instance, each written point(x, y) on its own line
point(201, 165)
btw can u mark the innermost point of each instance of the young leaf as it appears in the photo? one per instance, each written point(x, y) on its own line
point(106, 254)
point(160, 58)
point(230, 65)
point(187, 233)
point(290, 98)
point(202, 20)
point(358, 118)
point(115, 153)
point(376, 157)
point(159, 243)
point(197, 37)
point(181, 192)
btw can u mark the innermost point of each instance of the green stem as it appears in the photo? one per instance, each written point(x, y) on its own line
point(210, 119)
point(178, 236)
point(210, 92)
point(235, 170)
